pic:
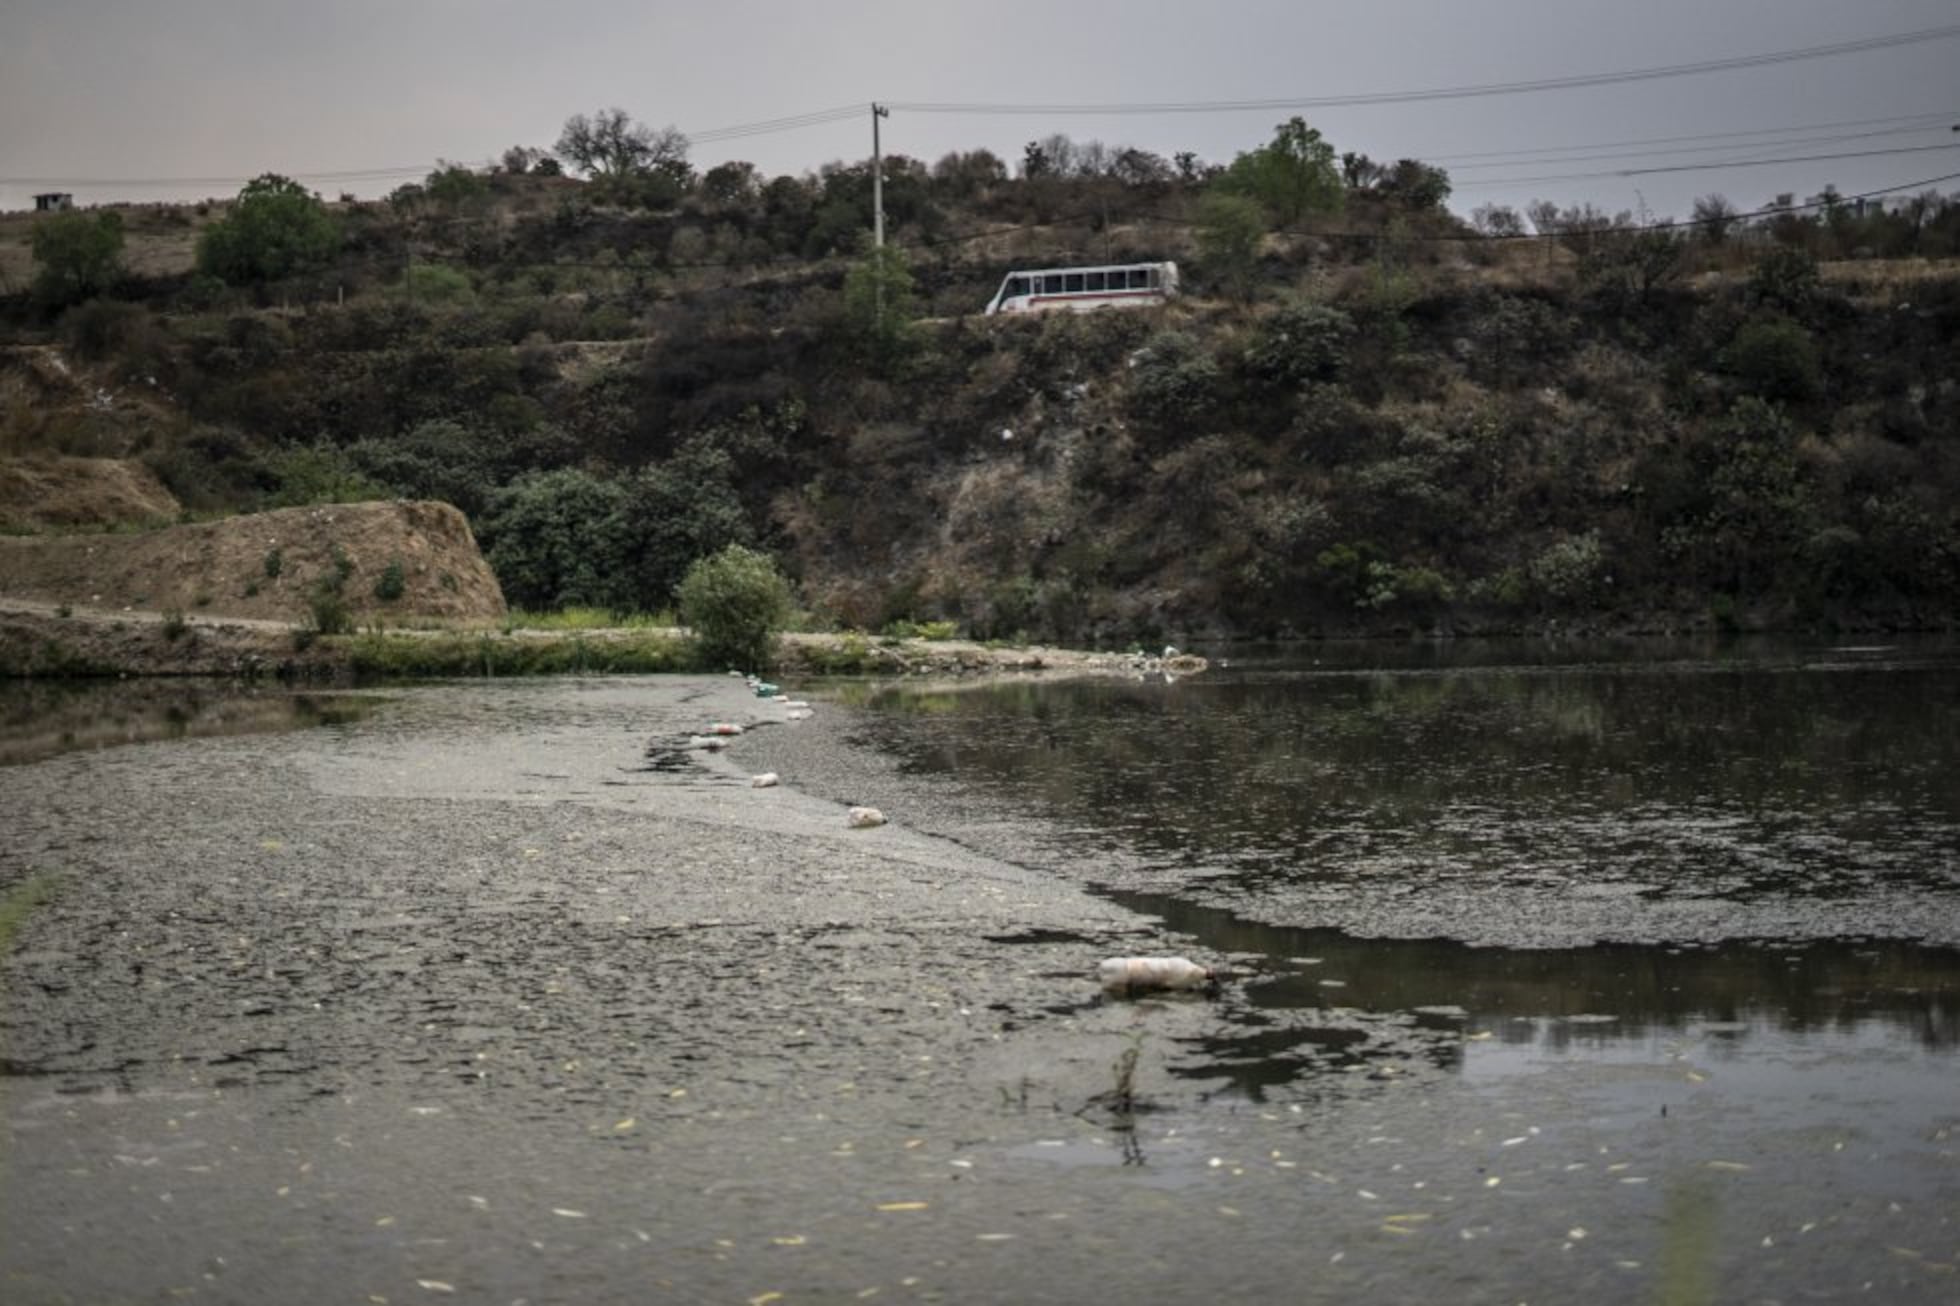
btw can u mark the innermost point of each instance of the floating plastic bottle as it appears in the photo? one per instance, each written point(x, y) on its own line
point(863, 818)
point(766, 690)
point(767, 780)
point(1147, 974)
point(724, 728)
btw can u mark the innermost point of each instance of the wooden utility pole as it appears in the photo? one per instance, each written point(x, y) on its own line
point(877, 178)
point(878, 213)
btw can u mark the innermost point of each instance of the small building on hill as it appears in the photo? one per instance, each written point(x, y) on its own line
point(55, 201)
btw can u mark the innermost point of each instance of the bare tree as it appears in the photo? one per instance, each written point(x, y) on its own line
point(1497, 220)
point(610, 145)
point(1713, 217)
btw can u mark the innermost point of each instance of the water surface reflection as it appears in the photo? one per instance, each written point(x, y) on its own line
point(1749, 856)
point(44, 718)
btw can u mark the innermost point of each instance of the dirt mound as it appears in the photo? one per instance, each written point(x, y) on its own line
point(51, 490)
point(268, 565)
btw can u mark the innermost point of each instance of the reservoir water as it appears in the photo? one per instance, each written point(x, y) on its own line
point(1550, 974)
point(1580, 847)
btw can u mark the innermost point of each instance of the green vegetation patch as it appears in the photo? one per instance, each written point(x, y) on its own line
point(398, 656)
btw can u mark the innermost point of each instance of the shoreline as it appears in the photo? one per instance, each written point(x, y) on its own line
point(40, 639)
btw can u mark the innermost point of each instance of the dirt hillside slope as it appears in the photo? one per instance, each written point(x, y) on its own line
point(53, 490)
point(267, 565)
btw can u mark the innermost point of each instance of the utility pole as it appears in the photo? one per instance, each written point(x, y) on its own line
point(877, 178)
point(878, 213)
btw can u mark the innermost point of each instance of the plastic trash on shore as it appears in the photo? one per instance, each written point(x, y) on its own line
point(766, 690)
point(792, 703)
point(724, 728)
point(800, 714)
point(863, 818)
point(1148, 974)
point(767, 780)
point(707, 743)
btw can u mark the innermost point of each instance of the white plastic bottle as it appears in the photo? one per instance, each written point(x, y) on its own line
point(1147, 974)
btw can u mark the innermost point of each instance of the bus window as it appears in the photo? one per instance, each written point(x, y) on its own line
point(1051, 285)
point(1096, 281)
point(1139, 279)
point(1074, 283)
point(1016, 287)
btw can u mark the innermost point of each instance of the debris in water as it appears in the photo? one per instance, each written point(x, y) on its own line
point(1143, 974)
point(767, 780)
point(864, 818)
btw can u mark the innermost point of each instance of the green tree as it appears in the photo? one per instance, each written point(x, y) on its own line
point(676, 512)
point(1229, 229)
point(879, 308)
point(1421, 186)
point(551, 538)
point(736, 603)
point(276, 229)
point(1293, 175)
point(453, 184)
point(80, 256)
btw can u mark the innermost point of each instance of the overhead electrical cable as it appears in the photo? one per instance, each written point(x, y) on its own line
point(1523, 158)
point(1706, 167)
point(1931, 119)
point(1921, 36)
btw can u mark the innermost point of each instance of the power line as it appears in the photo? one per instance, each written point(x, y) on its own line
point(768, 126)
point(1706, 167)
point(1453, 92)
point(1729, 149)
point(1931, 118)
point(1495, 159)
point(763, 127)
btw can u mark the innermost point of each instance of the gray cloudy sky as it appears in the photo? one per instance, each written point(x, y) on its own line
point(148, 99)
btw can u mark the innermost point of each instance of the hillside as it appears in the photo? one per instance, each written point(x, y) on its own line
point(268, 566)
point(1374, 419)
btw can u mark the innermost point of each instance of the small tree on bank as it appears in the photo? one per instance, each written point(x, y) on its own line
point(80, 256)
point(735, 603)
point(879, 307)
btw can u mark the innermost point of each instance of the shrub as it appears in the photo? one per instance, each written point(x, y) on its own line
point(392, 583)
point(1173, 380)
point(437, 283)
point(1776, 359)
point(1302, 342)
point(328, 609)
point(1569, 570)
point(879, 307)
point(317, 474)
point(1785, 277)
point(735, 603)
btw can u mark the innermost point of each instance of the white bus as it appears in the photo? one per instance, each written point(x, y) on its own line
point(1080, 290)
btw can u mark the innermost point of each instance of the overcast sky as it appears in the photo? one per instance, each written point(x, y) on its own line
point(102, 97)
